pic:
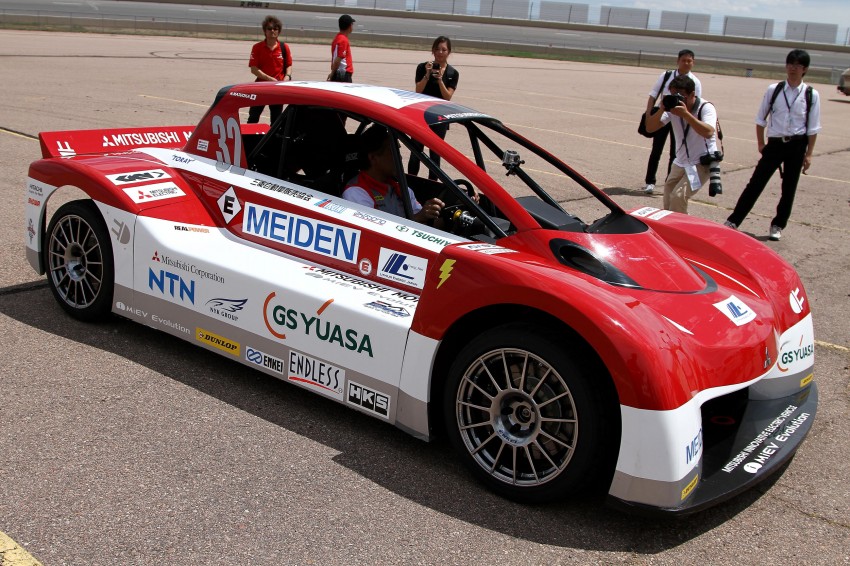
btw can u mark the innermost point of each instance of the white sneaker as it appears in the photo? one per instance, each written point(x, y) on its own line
point(649, 189)
point(730, 225)
point(775, 232)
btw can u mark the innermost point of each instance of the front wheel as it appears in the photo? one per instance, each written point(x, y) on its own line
point(78, 259)
point(531, 419)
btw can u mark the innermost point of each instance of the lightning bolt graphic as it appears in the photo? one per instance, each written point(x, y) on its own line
point(445, 271)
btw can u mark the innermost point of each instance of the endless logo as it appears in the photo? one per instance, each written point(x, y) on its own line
point(283, 318)
point(316, 374)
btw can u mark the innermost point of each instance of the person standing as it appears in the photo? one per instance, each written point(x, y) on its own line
point(694, 124)
point(438, 79)
point(684, 64)
point(790, 112)
point(342, 64)
point(270, 61)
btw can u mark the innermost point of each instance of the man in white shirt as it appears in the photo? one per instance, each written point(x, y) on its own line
point(794, 111)
point(684, 64)
point(694, 123)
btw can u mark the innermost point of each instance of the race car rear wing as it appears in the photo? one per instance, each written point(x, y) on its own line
point(80, 142)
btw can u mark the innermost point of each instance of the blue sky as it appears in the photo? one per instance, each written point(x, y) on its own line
point(820, 11)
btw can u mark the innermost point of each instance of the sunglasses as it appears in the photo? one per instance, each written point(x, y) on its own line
point(272, 28)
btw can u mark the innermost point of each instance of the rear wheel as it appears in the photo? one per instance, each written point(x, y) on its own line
point(530, 418)
point(78, 259)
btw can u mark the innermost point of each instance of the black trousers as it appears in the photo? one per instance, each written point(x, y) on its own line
point(657, 149)
point(413, 163)
point(790, 155)
point(255, 112)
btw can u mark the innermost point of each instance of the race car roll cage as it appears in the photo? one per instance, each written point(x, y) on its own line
point(315, 150)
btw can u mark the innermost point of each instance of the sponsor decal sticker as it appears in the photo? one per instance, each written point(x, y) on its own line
point(216, 341)
point(229, 205)
point(124, 308)
point(279, 319)
point(178, 263)
point(31, 230)
point(369, 399)
point(144, 138)
point(767, 443)
point(157, 191)
point(203, 145)
point(182, 159)
point(365, 266)
point(692, 450)
point(645, 211)
point(387, 308)
point(328, 204)
point(790, 353)
point(302, 232)
point(226, 308)
point(171, 284)
point(316, 374)
point(167, 322)
point(736, 310)
point(33, 202)
point(288, 191)
point(402, 268)
point(797, 300)
point(185, 228)
point(489, 249)
point(690, 487)
point(660, 214)
point(138, 177)
point(120, 231)
point(260, 358)
point(446, 271)
point(369, 218)
point(66, 150)
point(35, 190)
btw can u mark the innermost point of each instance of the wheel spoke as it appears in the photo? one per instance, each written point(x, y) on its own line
point(549, 420)
point(496, 459)
point(522, 372)
point(555, 439)
point(539, 383)
point(513, 464)
point(490, 375)
point(480, 446)
point(475, 425)
point(531, 463)
point(475, 385)
point(544, 403)
point(473, 406)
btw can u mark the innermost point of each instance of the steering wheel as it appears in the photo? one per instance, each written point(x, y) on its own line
point(454, 212)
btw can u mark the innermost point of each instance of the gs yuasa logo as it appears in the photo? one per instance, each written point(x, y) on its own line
point(279, 319)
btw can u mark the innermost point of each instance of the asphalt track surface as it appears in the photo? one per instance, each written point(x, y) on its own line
point(122, 445)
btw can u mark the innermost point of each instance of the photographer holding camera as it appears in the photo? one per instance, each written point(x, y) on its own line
point(438, 79)
point(694, 123)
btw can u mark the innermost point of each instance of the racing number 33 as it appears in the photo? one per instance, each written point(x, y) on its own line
point(229, 137)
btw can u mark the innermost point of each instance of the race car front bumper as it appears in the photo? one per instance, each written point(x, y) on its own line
point(743, 442)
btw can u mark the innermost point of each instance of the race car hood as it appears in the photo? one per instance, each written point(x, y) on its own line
point(642, 260)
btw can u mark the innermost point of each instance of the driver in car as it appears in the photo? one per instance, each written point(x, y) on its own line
point(376, 186)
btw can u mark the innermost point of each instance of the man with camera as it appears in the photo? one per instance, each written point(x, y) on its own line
point(794, 111)
point(694, 123)
point(684, 64)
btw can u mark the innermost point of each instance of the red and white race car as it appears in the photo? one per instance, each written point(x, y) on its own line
point(661, 357)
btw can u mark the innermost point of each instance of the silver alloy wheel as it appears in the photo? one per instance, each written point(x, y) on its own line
point(517, 417)
point(75, 261)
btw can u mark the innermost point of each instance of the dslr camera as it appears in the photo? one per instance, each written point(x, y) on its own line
point(712, 161)
point(670, 101)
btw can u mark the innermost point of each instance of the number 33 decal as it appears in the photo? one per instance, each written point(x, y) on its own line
point(229, 140)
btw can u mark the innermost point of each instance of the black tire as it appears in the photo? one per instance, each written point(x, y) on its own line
point(526, 438)
point(79, 263)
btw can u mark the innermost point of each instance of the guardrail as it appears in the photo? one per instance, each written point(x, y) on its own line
point(117, 23)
